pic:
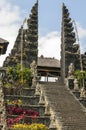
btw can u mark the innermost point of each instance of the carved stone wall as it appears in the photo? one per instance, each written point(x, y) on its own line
point(29, 39)
point(69, 48)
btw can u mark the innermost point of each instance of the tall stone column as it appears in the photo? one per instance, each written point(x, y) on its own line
point(3, 125)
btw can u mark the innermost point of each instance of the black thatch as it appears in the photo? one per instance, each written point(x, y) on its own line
point(48, 62)
point(3, 45)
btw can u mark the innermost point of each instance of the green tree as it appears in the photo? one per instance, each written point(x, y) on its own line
point(80, 75)
point(17, 77)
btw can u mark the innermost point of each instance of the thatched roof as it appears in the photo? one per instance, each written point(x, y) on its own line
point(3, 45)
point(48, 62)
point(3, 41)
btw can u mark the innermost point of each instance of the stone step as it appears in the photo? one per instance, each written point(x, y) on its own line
point(66, 107)
point(40, 119)
point(26, 100)
point(83, 101)
point(25, 91)
point(74, 127)
point(59, 82)
point(28, 92)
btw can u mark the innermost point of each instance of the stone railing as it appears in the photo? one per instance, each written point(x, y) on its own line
point(73, 85)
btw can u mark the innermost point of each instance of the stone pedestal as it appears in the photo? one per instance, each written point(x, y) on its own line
point(76, 86)
point(71, 83)
point(76, 93)
point(83, 101)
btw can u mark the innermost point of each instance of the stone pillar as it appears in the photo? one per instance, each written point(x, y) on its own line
point(3, 124)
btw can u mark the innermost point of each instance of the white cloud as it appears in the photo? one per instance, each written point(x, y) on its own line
point(9, 23)
point(82, 37)
point(81, 31)
point(49, 45)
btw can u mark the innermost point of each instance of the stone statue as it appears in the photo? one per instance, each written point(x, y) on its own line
point(76, 86)
point(52, 122)
point(47, 109)
point(33, 67)
point(38, 89)
point(71, 70)
point(42, 98)
point(83, 92)
point(34, 82)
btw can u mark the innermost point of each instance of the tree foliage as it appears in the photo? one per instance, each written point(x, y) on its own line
point(80, 75)
point(16, 76)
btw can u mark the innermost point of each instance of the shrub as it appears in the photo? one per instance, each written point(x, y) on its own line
point(16, 77)
point(20, 127)
point(38, 127)
point(30, 127)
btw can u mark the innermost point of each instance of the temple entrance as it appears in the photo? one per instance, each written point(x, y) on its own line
point(48, 69)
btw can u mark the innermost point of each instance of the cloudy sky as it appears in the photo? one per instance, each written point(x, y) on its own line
point(13, 12)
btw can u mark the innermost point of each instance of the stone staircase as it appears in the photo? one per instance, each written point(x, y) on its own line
point(69, 113)
point(30, 101)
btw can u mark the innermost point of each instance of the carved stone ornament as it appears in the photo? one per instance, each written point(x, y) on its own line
point(33, 67)
point(71, 70)
point(76, 86)
point(42, 98)
point(38, 89)
point(52, 122)
point(83, 92)
point(47, 109)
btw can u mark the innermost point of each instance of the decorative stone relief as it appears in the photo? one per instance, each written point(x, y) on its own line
point(47, 109)
point(2, 107)
point(71, 71)
point(76, 86)
point(42, 98)
point(34, 81)
point(33, 67)
point(52, 122)
point(82, 92)
point(38, 89)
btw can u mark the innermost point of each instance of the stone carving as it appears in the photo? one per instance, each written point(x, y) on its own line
point(30, 42)
point(47, 109)
point(83, 92)
point(38, 89)
point(71, 70)
point(33, 67)
point(2, 107)
point(34, 81)
point(42, 98)
point(76, 86)
point(53, 122)
point(68, 47)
